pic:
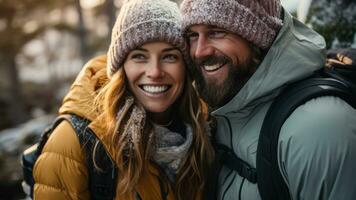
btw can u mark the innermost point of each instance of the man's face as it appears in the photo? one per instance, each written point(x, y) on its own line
point(223, 63)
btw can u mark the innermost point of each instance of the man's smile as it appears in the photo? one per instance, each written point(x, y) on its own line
point(212, 68)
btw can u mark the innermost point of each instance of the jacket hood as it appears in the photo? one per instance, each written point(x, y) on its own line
point(80, 101)
point(296, 53)
point(80, 98)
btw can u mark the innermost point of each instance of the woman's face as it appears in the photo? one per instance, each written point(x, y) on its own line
point(156, 74)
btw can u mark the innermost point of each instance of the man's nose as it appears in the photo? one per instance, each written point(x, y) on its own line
point(203, 48)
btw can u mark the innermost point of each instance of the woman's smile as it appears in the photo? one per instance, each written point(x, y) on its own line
point(156, 73)
point(155, 89)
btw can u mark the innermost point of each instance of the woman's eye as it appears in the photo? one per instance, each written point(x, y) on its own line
point(138, 57)
point(170, 57)
point(217, 34)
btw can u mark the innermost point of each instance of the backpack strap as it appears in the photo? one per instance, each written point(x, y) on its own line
point(44, 137)
point(225, 156)
point(102, 174)
point(102, 177)
point(229, 158)
point(271, 183)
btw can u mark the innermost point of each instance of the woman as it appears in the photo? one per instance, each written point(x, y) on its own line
point(146, 114)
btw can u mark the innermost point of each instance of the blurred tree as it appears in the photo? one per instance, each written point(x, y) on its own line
point(177, 1)
point(110, 13)
point(22, 21)
point(335, 20)
point(108, 9)
point(81, 31)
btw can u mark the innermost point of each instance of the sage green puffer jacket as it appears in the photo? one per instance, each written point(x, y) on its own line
point(317, 144)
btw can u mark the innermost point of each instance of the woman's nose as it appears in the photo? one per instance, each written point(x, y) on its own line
point(154, 70)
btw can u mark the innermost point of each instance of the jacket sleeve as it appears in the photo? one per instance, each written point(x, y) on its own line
point(60, 172)
point(317, 150)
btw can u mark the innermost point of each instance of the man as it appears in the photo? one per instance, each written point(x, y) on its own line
point(244, 53)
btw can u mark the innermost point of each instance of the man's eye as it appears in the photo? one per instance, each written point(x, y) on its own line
point(217, 34)
point(192, 36)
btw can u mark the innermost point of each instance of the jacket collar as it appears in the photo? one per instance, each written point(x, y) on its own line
point(296, 53)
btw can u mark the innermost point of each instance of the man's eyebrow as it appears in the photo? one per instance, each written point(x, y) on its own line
point(208, 27)
point(212, 26)
point(189, 31)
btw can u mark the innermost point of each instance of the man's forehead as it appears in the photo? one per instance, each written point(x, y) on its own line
point(202, 27)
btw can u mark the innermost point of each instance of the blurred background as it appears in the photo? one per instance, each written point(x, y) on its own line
point(44, 44)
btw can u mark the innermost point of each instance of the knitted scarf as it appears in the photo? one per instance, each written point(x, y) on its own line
point(170, 148)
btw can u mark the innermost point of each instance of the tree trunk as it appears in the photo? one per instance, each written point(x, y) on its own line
point(18, 113)
point(110, 12)
point(81, 32)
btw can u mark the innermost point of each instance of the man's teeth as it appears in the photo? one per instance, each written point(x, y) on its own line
point(155, 89)
point(212, 67)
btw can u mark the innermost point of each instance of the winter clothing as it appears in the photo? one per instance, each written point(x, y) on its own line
point(171, 149)
point(316, 147)
point(68, 177)
point(142, 21)
point(256, 21)
point(135, 123)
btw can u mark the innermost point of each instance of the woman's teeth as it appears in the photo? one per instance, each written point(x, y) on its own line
point(155, 89)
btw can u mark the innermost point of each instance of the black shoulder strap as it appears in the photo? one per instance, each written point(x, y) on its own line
point(229, 158)
point(45, 135)
point(224, 155)
point(102, 177)
point(270, 181)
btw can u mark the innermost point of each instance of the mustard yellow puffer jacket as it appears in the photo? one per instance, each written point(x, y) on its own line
point(61, 171)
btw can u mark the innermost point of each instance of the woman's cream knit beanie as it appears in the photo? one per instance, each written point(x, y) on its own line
point(140, 22)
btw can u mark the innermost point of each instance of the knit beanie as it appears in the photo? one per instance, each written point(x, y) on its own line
point(140, 22)
point(258, 21)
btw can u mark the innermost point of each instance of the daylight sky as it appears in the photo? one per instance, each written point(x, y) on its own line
point(301, 6)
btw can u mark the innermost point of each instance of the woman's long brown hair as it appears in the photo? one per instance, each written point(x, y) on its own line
point(192, 173)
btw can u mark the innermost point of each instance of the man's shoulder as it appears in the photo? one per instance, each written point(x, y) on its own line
point(322, 122)
point(317, 149)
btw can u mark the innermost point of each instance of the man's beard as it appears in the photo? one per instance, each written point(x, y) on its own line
point(217, 95)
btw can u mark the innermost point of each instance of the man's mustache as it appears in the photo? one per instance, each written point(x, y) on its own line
point(212, 60)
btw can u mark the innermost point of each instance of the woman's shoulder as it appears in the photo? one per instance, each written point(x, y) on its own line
point(64, 141)
point(61, 151)
point(61, 168)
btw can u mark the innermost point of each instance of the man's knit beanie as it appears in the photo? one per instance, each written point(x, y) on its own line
point(140, 22)
point(258, 21)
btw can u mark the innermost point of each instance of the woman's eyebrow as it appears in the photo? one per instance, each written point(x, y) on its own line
point(170, 49)
point(141, 49)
